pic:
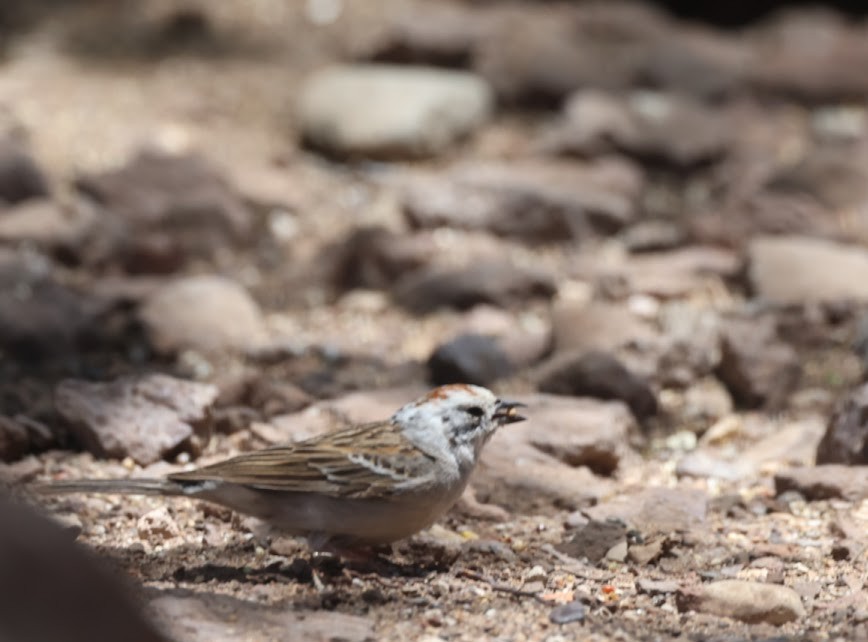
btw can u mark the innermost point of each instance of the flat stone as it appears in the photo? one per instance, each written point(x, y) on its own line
point(750, 602)
point(203, 617)
point(389, 111)
point(784, 270)
point(143, 417)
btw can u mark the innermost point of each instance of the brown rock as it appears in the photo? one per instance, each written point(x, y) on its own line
point(143, 417)
point(828, 481)
point(596, 326)
point(496, 282)
point(374, 258)
point(206, 313)
point(548, 459)
point(40, 317)
point(656, 511)
point(539, 58)
point(600, 375)
point(750, 602)
point(21, 434)
point(531, 200)
point(442, 35)
point(846, 438)
point(812, 56)
point(755, 365)
point(180, 204)
point(652, 128)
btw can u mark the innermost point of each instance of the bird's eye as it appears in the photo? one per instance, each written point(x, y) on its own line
point(475, 411)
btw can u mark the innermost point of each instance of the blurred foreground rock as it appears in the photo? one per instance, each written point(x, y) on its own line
point(53, 589)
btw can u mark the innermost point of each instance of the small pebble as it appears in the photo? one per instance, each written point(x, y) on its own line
point(566, 613)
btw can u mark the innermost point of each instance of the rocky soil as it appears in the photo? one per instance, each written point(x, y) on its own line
point(224, 227)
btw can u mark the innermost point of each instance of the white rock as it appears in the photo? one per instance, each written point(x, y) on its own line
point(206, 313)
point(383, 110)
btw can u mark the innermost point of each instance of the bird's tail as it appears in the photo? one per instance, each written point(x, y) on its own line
point(109, 486)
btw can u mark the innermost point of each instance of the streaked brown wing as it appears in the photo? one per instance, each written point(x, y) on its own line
point(360, 461)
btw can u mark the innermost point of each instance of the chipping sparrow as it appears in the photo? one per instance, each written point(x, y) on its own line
point(363, 485)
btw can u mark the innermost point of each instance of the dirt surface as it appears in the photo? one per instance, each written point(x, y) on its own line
point(651, 232)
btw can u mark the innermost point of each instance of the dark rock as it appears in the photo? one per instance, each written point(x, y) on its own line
point(21, 434)
point(566, 613)
point(40, 317)
point(761, 213)
point(846, 438)
point(41, 567)
point(600, 375)
point(533, 201)
point(143, 417)
point(828, 481)
point(374, 258)
point(498, 282)
point(20, 176)
point(469, 358)
point(593, 540)
point(755, 365)
point(167, 208)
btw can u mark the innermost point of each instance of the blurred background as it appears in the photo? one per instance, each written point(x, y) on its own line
point(227, 225)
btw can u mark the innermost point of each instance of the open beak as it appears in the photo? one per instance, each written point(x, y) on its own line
point(507, 412)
